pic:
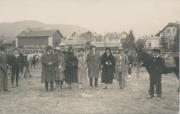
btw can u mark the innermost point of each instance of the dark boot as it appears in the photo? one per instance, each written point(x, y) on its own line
point(51, 86)
point(46, 86)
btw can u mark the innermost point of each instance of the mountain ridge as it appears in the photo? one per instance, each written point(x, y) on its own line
point(9, 30)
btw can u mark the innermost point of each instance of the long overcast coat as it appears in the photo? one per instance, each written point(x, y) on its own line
point(49, 62)
point(108, 68)
point(3, 72)
point(93, 64)
point(71, 68)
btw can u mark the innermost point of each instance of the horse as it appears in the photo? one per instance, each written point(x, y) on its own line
point(146, 58)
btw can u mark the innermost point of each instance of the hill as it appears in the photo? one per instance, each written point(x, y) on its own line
point(10, 30)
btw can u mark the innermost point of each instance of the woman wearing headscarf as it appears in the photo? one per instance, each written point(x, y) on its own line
point(108, 67)
point(49, 62)
point(71, 67)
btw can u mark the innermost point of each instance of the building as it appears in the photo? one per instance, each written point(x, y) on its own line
point(8, 44)
point(168, 34)
point(36, 40)
point(152, 42)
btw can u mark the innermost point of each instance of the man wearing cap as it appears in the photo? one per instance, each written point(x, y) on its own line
point(49, 62)
point(3, 70)
point(60, 68)
point(156, 67)
point(15, 63)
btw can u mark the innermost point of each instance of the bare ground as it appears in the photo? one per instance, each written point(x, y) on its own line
point(31, 98)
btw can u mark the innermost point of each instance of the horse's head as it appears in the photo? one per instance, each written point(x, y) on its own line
point(140, 55)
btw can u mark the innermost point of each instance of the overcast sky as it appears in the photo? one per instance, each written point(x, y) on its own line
point(143, 16)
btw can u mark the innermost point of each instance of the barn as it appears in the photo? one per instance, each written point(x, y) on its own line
point(32, 41)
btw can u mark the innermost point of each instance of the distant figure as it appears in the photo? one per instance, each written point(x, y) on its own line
point(21, 63)
point(121, 71)
point(49, 62)
point(71, 67)
point(82, 68)
point(108, 68)
point(3, 70)
point(26, 65)
point(34, 61)
point(15, 63)
point(93, 64)
point(60, 68)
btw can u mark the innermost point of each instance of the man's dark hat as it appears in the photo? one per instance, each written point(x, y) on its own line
point(156, 50)
point(107, 48)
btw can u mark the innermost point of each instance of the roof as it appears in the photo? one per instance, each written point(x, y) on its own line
point(169, 24)
point(38, 33)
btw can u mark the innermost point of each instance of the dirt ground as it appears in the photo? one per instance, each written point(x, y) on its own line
point(30, 98)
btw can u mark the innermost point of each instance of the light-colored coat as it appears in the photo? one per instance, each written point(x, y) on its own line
point(121, 65)
point(93, 63)
point(82, 69)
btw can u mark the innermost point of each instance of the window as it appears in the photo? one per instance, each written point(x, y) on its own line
point(168, 31)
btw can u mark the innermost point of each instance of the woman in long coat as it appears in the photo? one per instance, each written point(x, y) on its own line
point(71, 67)
point(49, 62)
point(82, 68)
point(93, 64)
point(108, 67)
point(121, 69)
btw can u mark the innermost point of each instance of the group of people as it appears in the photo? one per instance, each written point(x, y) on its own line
point(59, 66)
point(14, 64)
point(71, 67)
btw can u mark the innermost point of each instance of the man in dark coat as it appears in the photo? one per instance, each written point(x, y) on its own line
point(3, 70)
point(156, 69)
point(15, 64)
point(49, 62)
point(71, 63)
point(108, 67)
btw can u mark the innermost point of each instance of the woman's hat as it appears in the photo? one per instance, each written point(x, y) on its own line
point(15, 49)
point(156, 50)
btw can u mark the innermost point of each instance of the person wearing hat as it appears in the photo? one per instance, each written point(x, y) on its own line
point(121, 67)
point(49, 63)
point(60, 68)
point(156, 69)
point(15, 63)
point(3, 70)
point(93, 65)
point(71, 63)
point(108, 68)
